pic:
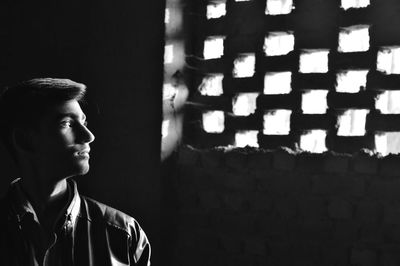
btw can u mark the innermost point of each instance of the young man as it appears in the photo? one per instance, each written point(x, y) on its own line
point(44, 220)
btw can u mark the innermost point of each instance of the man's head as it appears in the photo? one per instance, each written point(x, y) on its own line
point(42, 123)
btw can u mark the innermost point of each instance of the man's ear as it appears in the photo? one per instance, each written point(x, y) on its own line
point(22, 140)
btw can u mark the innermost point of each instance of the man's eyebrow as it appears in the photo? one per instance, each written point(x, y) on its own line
point(72, 115)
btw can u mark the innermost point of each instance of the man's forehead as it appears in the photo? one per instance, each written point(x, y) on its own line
point(68, 108)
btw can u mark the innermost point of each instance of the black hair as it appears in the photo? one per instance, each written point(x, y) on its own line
point(22, 104)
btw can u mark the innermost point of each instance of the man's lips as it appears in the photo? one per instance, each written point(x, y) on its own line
point(82, 153)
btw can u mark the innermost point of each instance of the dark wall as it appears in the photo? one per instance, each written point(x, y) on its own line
point(116, 49)
point(282, 207)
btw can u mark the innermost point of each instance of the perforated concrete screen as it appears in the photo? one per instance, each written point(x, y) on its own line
point(307, 74)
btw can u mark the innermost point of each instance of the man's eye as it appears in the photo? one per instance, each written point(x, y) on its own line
point(66, 123)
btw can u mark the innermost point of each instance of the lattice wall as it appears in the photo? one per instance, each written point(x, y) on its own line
point(318, 75)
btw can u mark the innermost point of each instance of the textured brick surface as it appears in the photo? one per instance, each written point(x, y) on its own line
point(392, 214)
point(365, 164)
point(341, 211)
point(364, 257)
point(368, 211)
point(390, 166)
point(188, 156)
point(336, 164)
point(284, 159)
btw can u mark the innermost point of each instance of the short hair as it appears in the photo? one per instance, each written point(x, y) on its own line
point(23, 104)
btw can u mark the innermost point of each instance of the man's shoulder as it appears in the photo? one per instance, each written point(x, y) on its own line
point(97, 212)
point(116, 223)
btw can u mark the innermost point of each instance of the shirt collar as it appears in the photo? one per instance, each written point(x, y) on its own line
point(22, 206)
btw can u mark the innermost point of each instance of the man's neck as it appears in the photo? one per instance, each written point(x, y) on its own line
point(47, 199)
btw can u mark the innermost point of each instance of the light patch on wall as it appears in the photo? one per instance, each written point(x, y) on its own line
point(314, 102)
point(213, 121)
point(168, 54)
point(167, 16)
point(347, 4)
point(173, 22)
point(169, 92)
point(174, 98)
point(387, 143)
point(211, 85)
point(388, 102)
point(388, 60)
point(352, 122)
point(216, 10)
point(277, 122)
point(279, 7)
point(164, 128)
point(278, 43)
point(314, 61)
point(277, 82)
point(171, 134)
point(313, 141)
point(354, 39)
point(246, 138)
point(244, 66)
point(351, 81)
point(213, 47)
point(174, 57)
point(244, 104)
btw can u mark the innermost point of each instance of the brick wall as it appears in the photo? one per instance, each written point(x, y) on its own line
point(262, 207)
point(320, 33)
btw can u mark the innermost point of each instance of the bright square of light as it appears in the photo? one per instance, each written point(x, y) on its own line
point(246, 138)
point(278, 43)
point(388, 102)
point(213, 121)
point(314, 102)
point(351, 81)
point(314, 61)
point(244, 104)
point(277, 122)
point(244, 65)
point(354, 39)
point(277, 82)
point(216, 10)
point(279, 7)
point(352, 122)
point(211, 85)
point(388, 60)
point(387, 143)
point(347, 4)
point(213, 47)
point(313, 141)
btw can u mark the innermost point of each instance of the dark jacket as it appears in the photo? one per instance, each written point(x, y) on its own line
point(88, 233)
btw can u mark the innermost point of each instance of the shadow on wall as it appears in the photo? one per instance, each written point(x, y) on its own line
point(8, 170)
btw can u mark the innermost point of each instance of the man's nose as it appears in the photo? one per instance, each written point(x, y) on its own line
point(85, 135)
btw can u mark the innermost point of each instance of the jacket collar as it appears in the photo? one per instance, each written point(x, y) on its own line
point(22, 206)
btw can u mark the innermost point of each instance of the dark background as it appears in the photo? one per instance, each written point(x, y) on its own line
point(116, 49)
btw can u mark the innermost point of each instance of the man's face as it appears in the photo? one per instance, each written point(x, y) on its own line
point(61, 144)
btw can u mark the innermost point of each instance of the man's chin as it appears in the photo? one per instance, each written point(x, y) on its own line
point(84, 172)
point(81, 169)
